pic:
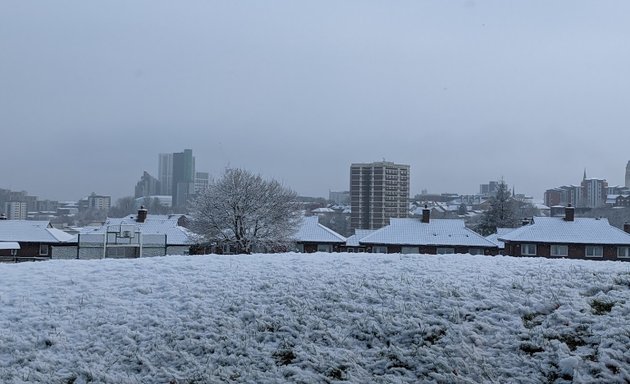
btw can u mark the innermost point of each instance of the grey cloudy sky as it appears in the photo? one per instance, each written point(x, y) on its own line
point(463, 91)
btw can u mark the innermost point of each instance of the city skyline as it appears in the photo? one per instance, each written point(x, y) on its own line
point(473, 190)
point(462, 91)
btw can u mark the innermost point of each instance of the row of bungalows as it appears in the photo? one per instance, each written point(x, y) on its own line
point(136, 235)
point(568, 237)
point(550, 237)
point(403, 235)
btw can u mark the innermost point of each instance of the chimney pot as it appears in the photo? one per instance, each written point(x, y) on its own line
point(142, 214)
point(426, 214)
point(569, 213)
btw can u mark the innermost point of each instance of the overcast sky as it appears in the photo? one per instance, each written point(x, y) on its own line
point(463, 91)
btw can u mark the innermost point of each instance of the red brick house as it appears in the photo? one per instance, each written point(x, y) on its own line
point(37, 240)
point(427, 236)
point(568, 237)
point(314, 237)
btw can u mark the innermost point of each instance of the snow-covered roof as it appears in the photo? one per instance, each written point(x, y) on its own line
point(557, 230)
point(436, 232)
point(353, 241)
point(32, 231)
point(9, 245)
point(311, 231)
point(495, 236)
point(323, 210)
point(152, 225)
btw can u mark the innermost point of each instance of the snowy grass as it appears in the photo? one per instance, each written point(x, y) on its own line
point(315, 318)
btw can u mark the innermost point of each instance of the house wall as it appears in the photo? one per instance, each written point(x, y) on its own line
point(432, 249)
point(177, 250)
point(575, 251)
point(30, 250)
point(312, 247)
point(91, 253)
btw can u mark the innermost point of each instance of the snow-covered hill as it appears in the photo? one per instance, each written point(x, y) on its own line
point(315, 318)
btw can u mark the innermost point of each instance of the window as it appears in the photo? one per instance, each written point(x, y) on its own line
point(445, 251)
point(475, 251)
point(528, 249)
point(623, 252)
point(559, 250)
point(379, 249)
point(350, 250)
point(324, 248)
point(43, 250)
point(408, 250)
point(594, 251)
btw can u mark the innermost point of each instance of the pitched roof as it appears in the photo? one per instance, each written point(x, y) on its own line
point(311, 231)
point(353, 241)
point(495, 236)
point(153, 225)
point(32, 231)
point(580, 231)
point(451, 232)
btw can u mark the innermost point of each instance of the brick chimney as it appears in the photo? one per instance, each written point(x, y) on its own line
point(142, 214)
point(426, 214)
point(626, 227)
point(569, 213)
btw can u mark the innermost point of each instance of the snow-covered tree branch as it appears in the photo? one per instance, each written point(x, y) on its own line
point(246, 212)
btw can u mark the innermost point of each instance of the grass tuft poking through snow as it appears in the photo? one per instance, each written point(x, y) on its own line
point(315, 318)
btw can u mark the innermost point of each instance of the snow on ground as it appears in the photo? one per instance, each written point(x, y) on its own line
point(315, 318)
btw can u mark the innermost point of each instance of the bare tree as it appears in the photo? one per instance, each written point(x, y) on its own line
point(246, 212)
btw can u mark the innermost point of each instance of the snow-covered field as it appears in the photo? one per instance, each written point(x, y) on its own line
point(315, 318)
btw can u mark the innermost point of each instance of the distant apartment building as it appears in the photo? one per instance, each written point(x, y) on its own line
point(147, 186)
point(201, 181)
point(177, 176)
point(378, 191)
point(591, 193)
point(165, 173)
point(554, 197)
point(94, 201)
point(565, 195)
point(183, 177)
point(594, 193)
point(341, 198)
point(47, 205)
point(618, 200)
point(489, 189)
point(16, 210)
